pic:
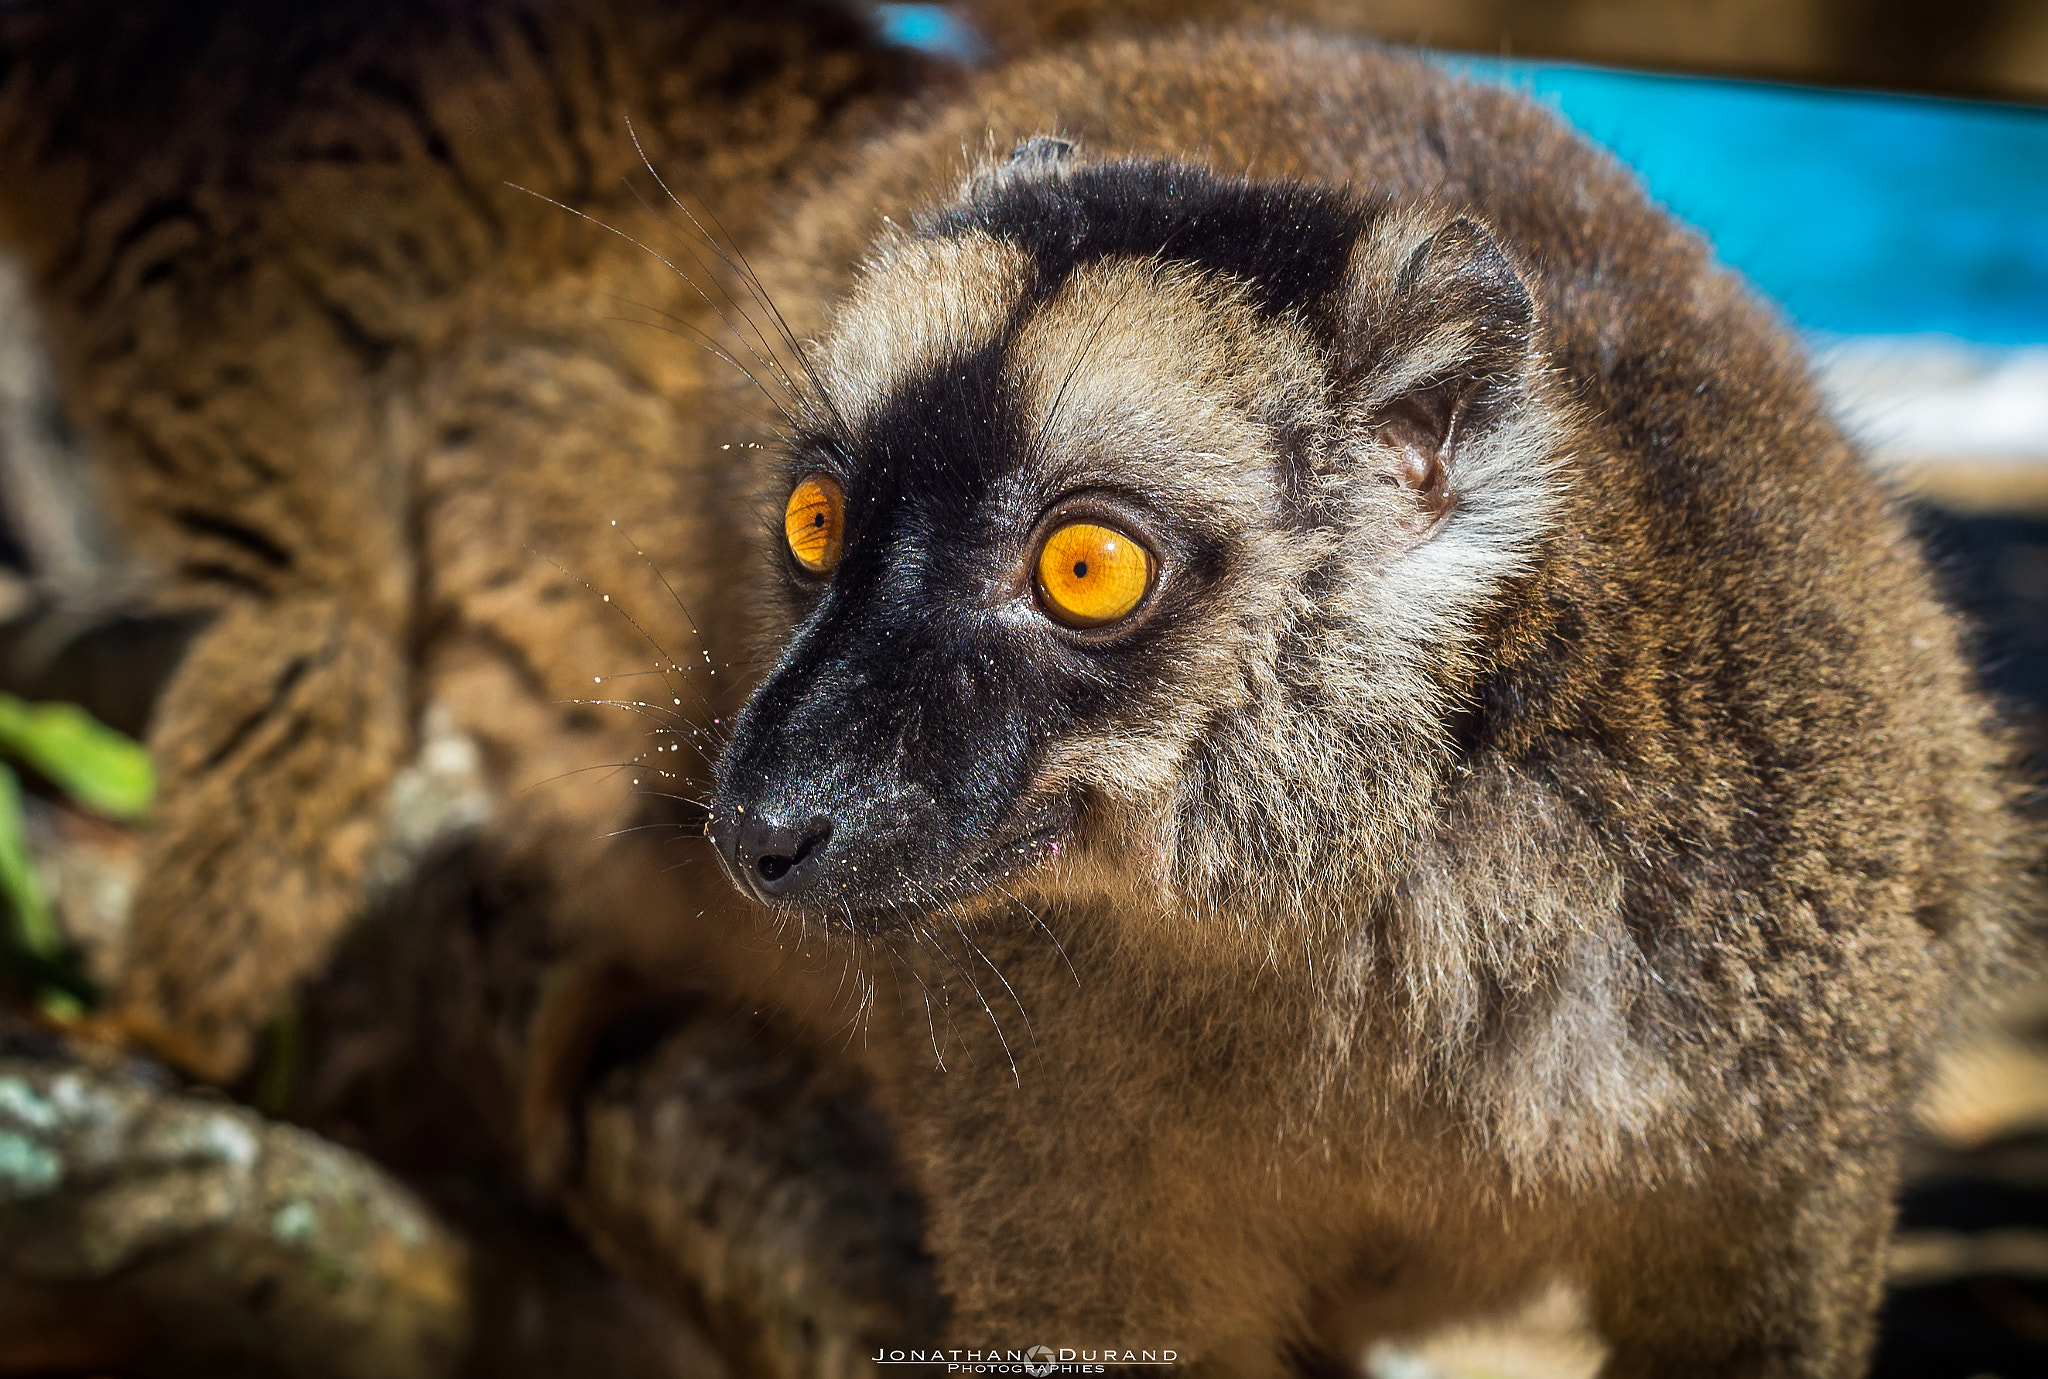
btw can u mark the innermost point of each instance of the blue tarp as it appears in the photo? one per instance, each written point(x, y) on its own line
point(1861, 213)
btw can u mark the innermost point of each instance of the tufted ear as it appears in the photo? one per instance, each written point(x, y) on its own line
point(1435, 335)
point(1041, 155)
point(1040, 158)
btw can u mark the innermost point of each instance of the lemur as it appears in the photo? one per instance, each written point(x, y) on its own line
point(1328, 618)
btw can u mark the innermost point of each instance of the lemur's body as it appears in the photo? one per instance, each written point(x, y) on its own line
point(1527, 824)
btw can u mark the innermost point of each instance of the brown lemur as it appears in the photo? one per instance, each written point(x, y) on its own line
point(1379, 749)
point(1323, 618)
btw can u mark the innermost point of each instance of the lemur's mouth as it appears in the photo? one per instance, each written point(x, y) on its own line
point(868, 885)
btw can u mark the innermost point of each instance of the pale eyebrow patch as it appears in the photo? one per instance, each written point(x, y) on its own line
point(918, 303)
point(1141, 358)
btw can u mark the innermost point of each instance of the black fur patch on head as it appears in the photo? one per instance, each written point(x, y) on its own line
point(933, 448)
point(1287, 241)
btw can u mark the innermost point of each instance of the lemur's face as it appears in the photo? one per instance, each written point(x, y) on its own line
point(1093, 465)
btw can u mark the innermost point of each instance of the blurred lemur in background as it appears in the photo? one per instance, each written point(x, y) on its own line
point(1339, 738)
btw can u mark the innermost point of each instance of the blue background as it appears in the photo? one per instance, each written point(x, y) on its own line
point(1861, 213)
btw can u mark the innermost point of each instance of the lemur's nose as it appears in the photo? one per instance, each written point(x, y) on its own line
point(771, 851)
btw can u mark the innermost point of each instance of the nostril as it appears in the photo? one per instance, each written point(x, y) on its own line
point(779, 850)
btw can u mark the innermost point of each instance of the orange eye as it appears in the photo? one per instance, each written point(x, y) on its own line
point(1090, 575)
point(815, 523)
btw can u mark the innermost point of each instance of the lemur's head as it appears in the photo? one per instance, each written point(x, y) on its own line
point(1137, 538)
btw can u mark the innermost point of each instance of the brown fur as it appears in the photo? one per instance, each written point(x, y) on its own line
point(1668, 826)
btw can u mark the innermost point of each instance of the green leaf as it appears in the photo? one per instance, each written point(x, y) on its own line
point(98, 767)
point(35, 927)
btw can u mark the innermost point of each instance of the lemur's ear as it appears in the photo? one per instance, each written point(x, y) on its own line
point(1041, 154)
point(1435, 335)
point(1040, 158)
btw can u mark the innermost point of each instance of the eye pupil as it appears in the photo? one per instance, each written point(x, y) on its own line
point(1080, 569)
point(818, 519)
